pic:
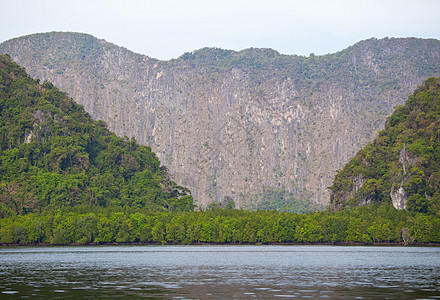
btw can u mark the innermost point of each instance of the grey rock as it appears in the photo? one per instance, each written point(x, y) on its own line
point(399, 197)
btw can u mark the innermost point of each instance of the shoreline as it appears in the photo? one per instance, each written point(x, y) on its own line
point(348, 244)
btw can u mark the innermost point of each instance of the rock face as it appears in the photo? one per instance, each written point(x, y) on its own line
point(230, 124)
point(399, 197)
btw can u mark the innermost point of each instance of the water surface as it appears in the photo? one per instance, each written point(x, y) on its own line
point(220, 272)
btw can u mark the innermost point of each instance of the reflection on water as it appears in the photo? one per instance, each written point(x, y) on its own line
point(220, 272)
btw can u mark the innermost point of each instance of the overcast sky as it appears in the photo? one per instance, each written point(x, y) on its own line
point(166, 29)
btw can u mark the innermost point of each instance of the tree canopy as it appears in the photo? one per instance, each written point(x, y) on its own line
point(53, 154)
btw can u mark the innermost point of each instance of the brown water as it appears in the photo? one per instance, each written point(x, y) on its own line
point(220, 272)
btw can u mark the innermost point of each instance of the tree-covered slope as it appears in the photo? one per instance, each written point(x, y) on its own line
point(402, 165)
point(52, 153)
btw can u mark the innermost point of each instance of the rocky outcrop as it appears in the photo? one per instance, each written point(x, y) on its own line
point(399, 197)
point(230, 124)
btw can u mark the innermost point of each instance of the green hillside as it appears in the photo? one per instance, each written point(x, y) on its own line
point(402, 165)
point(53, 154)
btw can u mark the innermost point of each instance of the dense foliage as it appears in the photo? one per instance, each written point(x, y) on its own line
point(93, 224)
point(53, 154)
point(405, 156)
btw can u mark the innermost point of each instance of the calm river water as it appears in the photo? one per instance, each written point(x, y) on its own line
point(220, 272)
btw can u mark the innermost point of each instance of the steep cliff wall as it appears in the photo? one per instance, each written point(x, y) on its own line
point(231, 123)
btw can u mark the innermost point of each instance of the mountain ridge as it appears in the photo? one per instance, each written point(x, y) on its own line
point(234, 124)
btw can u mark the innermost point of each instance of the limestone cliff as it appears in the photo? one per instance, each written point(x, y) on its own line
point(230, 124)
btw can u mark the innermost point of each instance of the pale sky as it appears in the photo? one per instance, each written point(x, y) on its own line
point(166, 29)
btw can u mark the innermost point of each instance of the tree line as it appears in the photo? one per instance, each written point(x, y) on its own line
point(86, 224)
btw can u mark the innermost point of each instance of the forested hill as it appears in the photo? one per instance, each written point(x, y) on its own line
point(53, 154)
point(402, 165)
point(255, 126)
